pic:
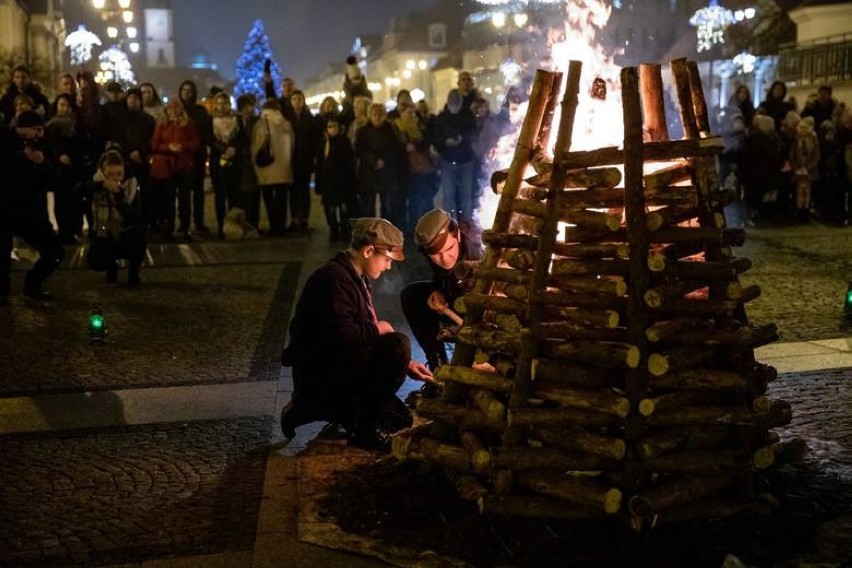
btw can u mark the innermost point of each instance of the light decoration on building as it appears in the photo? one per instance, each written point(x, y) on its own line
point(744, 63)
point(116, 66)
point(711, 22)
point(80, 43)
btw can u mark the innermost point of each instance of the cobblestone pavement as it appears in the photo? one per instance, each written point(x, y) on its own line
point(207, 324)
point(211, 313)
point(129, 494)
point(803, 272)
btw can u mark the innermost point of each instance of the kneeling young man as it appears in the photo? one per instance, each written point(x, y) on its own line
point(348, 364)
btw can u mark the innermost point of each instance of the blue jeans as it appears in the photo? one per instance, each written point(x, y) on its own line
point(457, 183)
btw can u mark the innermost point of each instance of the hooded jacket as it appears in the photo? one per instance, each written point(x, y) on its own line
point(199, 117)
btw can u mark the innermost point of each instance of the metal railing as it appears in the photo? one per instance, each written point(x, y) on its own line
point(825, 60)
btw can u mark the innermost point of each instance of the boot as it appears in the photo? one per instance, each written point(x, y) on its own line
point(295, 414)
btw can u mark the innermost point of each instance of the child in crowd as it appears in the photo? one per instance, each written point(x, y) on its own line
point(119, 230)
point(804, 161)
point(336, 180)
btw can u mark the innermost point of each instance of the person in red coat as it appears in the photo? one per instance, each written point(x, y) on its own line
point(174, 146)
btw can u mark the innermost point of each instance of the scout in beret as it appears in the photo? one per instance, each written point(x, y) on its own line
point(428, 305)
point(347, 363)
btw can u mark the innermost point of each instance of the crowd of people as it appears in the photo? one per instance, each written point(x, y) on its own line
point(786, 162)
point(362, 160)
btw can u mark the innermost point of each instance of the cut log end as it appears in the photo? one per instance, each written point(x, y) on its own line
point(633, 357)
point(658, 365)
point(612, 501)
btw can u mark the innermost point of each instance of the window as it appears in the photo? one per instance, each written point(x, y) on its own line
point(437, 36)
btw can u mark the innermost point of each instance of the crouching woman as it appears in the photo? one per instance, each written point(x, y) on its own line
point(119, 231)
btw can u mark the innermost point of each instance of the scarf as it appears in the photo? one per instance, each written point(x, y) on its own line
point(409, 129)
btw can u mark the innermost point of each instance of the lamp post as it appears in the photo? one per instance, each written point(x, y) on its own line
point(119, 17)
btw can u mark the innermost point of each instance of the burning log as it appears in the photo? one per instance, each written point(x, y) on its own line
point(509, 240)
point(675, 493)
point(589, 318)
point(609, 198)
point(680, 73)
point(601, 401)
point(676, 173)
point(603, 250)
point(568, 299)
point(699, 105)
point(609, 286)
point(671, 215)
point(659, 295)
point(750, 336)
point(577, 438)
point(709, 308)
point(665, 328)
point(653, 107)
point(473, 378)
point(653, 151)
point(571, 489)
point(585, 178)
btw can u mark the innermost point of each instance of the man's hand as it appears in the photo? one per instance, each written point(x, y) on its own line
point(384, 327)
point(65, 160)
point(437, 302)
point(230, 152)
point(135, 156)
point(419, 371)
point(380, 164)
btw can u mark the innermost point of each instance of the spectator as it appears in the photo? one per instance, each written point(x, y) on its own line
point(804, 161)
point(823, 107)
point(774, 105)
point(151, 102)
point(138, 131)
point(203, 125)
point(422, 179)
point(402, 97)
point(328, 109)
point(22, 84)
point(468, 92)
point(336, 180)
point(119, 228)
point(63, 140)
point(114, 111)
point(308, 130)
point(763, 157)
point(67, 85)
point(24, 210)
point(379, 152)
point(21, 104)
point(734, 131)
point(246, 193)
point(829, 188)
point(742, 97)
point(174, 149)
point(276, 179)
point(360, 117)
point(222, 153)
point(454, 129)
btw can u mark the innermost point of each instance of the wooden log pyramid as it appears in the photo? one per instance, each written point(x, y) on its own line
point(608, 368)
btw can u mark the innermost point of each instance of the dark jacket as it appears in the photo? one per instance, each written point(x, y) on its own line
point(26, 195)
point(200, 119)
point(445, 280)
point(114, 113)
point(138, 132)
point(7, 103)
point(336, 180)
point(333, 321)
point(449, 125)
point(371, 145)
point(308, 129)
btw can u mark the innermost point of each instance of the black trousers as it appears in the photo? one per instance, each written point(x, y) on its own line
point(300, 198)
point(197, 184)
point(105, 251)
point(353, 391)
point(275, 200)
point(424, 322)
point(38, 233)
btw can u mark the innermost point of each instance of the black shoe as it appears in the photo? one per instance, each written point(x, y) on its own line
point(395, 416)
point(133, 280)
point(295, 414)
point(202, 230)
point(369, 439)
point(36, 293)
point(112, 275)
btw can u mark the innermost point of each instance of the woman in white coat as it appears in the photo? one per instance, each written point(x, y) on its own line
point(275, 179)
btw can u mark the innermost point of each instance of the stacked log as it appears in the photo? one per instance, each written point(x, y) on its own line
point(607, 367)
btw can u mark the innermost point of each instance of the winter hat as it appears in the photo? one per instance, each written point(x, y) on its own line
point(353, 72)
point(135, 91)
point(29, 119)
point(113, 87)
point(432, 231)
point(809, 120)
point(381, 234)
point(454, 98)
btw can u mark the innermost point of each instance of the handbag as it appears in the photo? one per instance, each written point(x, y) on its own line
point(264, 156)
point(162, 166)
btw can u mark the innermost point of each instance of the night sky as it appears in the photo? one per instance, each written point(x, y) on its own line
point(305, 34)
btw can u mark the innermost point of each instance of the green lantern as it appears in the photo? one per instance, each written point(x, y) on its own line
point(847, 306)
point(97, 324)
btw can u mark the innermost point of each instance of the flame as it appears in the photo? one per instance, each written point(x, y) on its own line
point(598, 123)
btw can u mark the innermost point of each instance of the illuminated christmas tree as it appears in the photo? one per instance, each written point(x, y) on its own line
point(256, 50)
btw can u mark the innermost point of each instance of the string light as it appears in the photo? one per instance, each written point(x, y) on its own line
point(744, 62)
point(118, 65)
point(80, 43)
point(711, 22)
